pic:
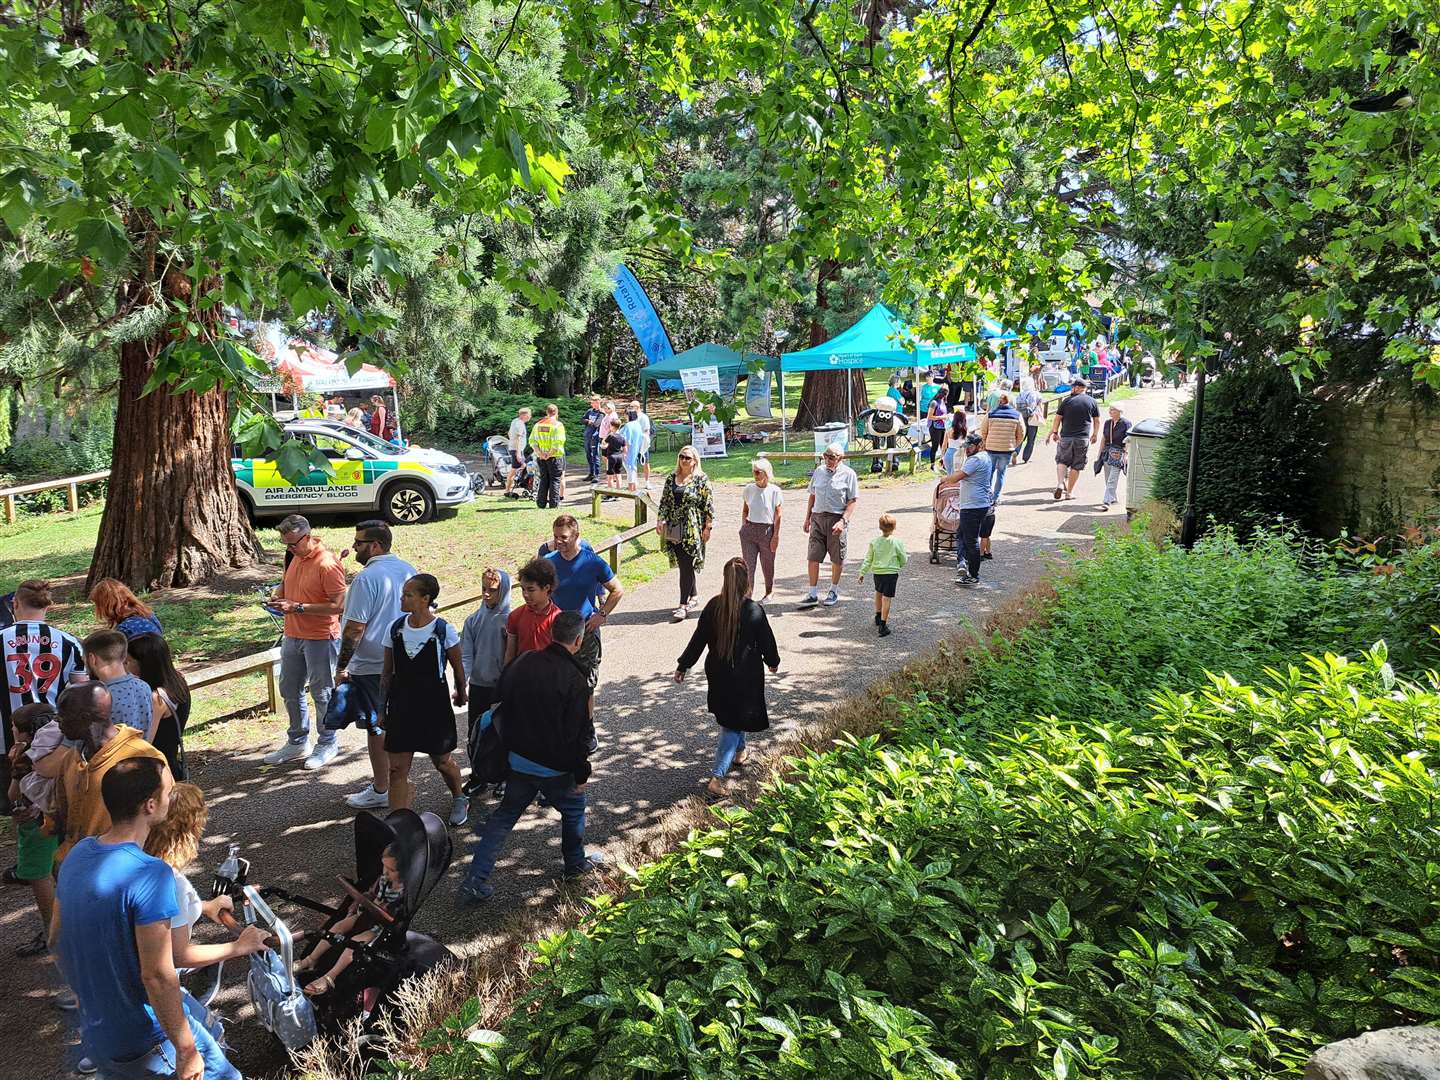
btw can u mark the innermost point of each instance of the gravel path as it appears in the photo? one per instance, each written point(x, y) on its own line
point(657, 741)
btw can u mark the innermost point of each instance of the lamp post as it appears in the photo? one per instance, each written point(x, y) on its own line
point(1189, 525)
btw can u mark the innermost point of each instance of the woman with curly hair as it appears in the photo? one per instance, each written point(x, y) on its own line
point(176, 841)
point(120, 609)
point(687, 510)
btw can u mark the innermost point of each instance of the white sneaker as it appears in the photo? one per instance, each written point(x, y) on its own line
point(764, 600)
point(322, 755)
point(831, 598)
point(291, 751)
point(459, 810)
point(369, 799)
point(811, 598)
point(86, 1067)
point(678, 615)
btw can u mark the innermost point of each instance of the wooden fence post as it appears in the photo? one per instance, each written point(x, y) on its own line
point(73, 497)
point(10, 509)
point(639, 511)
point(595, 502)
point(614, 554)
point(272, 687)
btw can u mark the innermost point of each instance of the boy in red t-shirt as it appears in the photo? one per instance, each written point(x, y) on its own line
point(528, 626)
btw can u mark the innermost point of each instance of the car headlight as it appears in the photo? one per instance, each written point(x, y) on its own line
point(455, 470)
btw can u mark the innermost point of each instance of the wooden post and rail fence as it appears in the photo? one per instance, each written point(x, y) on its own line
point(268, 662)
point(70, 483)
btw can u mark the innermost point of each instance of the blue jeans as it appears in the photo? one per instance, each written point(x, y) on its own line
point(950, 452)
point(592, 453)
point(160, 1060)
point(1000, 459)
point(307, 663)
point(731, 743)
point(520, 791)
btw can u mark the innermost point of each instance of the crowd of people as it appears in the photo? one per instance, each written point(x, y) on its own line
point(94, 728)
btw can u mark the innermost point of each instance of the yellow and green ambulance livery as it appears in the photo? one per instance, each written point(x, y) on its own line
point(405, 485)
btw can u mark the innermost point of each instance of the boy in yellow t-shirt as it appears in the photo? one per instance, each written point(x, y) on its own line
point(885, 559)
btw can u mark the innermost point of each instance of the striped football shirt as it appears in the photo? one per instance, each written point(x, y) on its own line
point(40, 660)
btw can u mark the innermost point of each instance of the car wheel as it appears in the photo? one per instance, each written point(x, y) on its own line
point(247, 507)
point(407, 503)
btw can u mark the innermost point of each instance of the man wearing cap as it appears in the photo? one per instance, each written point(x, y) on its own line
point(1075, 428)
point(834, 491)
point(973, 475)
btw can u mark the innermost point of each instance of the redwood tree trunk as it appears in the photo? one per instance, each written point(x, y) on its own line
point(823, 395)
point(172, 516)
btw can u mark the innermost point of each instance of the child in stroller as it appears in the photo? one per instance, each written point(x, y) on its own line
point(385, 894)
point(398, 862)
point(497, 449)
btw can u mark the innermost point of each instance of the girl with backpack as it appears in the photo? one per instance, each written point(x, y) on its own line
point(416, 716)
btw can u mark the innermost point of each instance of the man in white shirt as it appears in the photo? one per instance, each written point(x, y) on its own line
point(372, 605)
point(834, 491)
point(517, 446)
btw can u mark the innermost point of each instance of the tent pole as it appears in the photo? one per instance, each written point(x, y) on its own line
point(395, 398)
point(784, 443)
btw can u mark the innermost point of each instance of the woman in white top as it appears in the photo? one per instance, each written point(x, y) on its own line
point(760, 526)
point(176, 841)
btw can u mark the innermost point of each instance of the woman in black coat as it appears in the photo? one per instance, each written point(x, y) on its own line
point(741, 645)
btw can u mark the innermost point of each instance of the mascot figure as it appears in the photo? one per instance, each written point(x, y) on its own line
point(883, 421)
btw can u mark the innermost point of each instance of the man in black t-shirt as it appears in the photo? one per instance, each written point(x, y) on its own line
point(1076, 427)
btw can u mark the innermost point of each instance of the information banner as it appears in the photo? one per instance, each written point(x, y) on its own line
point(702, 378)
point(709, 439)
point(757, 395)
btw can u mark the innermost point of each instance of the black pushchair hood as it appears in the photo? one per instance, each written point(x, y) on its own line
point(424, 848)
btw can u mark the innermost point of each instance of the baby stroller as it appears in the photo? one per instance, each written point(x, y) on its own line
point(366, 987)
point(497, 451)
point(945, 521)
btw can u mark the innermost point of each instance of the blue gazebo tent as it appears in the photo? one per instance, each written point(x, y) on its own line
point(881, 339)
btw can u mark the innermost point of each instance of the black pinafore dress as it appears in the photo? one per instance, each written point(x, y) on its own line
point(419, 718)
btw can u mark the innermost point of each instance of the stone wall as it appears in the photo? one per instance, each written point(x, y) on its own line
point(1383, 455)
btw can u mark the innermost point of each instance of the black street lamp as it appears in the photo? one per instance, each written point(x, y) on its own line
point(1189, 524)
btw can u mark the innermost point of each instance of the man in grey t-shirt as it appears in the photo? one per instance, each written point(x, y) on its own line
point(834, 491)
point(372, 604)
point(1075, 429)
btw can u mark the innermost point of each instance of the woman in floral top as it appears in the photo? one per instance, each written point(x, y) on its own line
point(687, 511)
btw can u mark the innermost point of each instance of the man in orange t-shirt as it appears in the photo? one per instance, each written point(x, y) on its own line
point(312, 596)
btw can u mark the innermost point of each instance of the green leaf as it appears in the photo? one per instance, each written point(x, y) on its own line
point(162, 166)
point(104, 239)
point(518, 154)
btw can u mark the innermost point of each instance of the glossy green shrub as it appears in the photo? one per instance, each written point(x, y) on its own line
point(1183, 875)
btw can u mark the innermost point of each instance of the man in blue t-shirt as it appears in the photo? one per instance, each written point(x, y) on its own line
point(974, 475)
point(582, 577)
point(117, 955)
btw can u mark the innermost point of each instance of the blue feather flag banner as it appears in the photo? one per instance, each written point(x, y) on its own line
point(641, 315)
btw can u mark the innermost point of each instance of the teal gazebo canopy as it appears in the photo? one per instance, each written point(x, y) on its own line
point(881, 339)
point(710, 354)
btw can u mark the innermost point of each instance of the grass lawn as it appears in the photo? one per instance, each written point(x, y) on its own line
point(224, 619)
